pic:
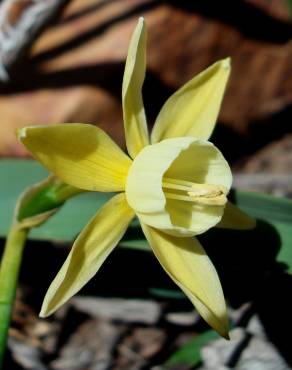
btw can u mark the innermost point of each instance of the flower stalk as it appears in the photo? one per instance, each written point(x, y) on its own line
point(34, 207)
point(9, 272)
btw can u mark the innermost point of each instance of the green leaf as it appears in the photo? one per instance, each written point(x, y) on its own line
point(289, 3)
point(189, 354)
point(135, 243)
point(275, 211)
point(167, 293)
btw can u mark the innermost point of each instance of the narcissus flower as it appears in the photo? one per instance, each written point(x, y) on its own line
point(174, 181)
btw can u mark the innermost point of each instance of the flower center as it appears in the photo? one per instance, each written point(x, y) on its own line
point(204, 194)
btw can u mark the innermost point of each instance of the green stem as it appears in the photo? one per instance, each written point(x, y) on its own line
point(9, 271)
point(49, 196)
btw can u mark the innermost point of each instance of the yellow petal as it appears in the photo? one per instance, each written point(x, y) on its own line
point(89, 251)
point(193, 109)
point(184, 158)
point(81, 155)
point(133, 109)
point(186, 262)
point(235, 218)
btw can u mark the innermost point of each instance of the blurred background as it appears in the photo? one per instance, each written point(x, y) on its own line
point(69, 69)
point(62, 61)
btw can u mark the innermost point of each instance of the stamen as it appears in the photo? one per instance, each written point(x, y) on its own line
point(206, 194)
point(169, 185)
point(216, 201)
point(178, 182)
point(178, 197)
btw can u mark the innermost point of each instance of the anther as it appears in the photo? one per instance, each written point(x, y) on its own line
point(204, 194)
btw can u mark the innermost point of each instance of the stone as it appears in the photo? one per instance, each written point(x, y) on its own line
point(124, 310)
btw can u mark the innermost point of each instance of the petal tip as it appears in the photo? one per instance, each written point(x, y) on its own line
point(47, 310)
point(223, 329)
point(226, 63)
point(21, 133)
point(221, 325)
point(43, 313)
point(140, 24)
point(49, 306)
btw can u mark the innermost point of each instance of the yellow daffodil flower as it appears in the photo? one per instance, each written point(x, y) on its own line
point(175, 182)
